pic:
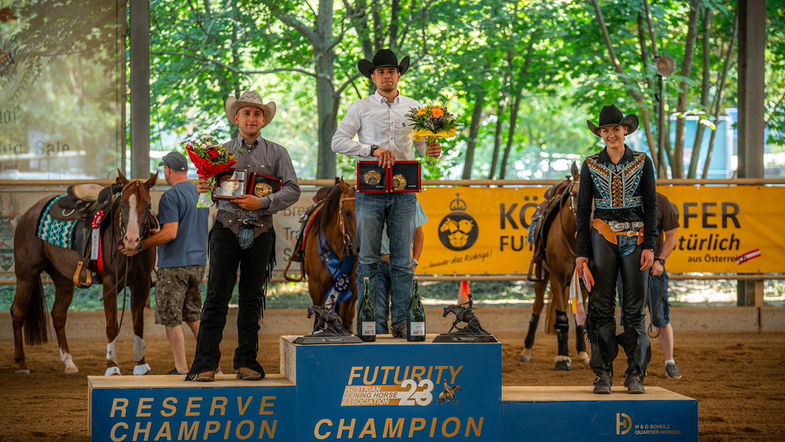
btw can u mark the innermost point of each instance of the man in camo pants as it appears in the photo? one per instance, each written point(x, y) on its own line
point(182, 255)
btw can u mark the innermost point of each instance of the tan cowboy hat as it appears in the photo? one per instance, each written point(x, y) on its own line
point(249, 98)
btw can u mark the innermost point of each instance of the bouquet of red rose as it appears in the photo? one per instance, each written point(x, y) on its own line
point(210, 159)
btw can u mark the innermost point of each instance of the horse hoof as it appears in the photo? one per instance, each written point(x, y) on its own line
point(525, 356)
point(71, 369)
point(22, 371)
point(563, 363)
point(112, 371)
point(142, 369)
point(583, 359)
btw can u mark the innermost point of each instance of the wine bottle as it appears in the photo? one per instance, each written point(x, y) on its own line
point(415, 317)
point(366, 319)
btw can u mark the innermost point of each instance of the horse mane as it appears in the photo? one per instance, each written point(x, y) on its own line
point(331, 205)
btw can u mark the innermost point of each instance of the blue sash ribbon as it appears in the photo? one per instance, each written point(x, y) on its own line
point(340, 270)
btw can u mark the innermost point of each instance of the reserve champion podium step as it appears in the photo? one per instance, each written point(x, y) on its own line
point(385, 390)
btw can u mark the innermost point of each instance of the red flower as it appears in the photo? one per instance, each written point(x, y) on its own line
point(206, 168)
point(213, 153)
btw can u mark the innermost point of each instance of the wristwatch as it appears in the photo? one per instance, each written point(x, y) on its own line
point(373, 148)
point(662, 261)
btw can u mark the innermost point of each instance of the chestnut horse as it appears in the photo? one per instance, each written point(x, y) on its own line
point(336, 220)
point(127, 222)
point(559, 265)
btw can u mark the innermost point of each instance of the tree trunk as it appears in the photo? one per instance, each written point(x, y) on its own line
point(474, 129)
point(718, 97)
point(706, 83)
point(677, 165)
point(497, 138)
point(516, 104)
point(326, 101)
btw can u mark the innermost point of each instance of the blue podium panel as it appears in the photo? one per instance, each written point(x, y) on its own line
point(396, 390)
point(166, 408)
point(574, 413)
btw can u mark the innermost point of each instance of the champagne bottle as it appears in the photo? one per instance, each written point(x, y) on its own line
point(415, 317)
point(366, 319)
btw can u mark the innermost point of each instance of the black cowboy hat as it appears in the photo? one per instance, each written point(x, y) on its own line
point(612, 116)
point(383, 58)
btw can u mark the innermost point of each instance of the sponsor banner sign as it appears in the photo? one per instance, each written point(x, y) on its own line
point(724, 229)
point(652, 420)
point(169, 414)
point(399, 391)
point(483, 231)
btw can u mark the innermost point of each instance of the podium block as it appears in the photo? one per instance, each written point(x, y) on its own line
point(394, 389)
point(575, 413)
point(169, 408)
point(390, 389)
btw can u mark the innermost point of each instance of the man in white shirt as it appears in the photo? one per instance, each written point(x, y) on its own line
point(383, 134)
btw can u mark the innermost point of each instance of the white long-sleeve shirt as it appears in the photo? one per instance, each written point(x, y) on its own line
point(376, 121)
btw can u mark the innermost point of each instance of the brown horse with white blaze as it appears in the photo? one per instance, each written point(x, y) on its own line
point(337, 222)
point(558, 266)
point(128, 220)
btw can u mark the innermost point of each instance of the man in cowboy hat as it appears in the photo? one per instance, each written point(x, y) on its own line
point(620, 241)
point(243, 236)
point(383, 134)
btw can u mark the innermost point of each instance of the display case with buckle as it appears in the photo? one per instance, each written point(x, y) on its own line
point(260, 185)
point(402, 177)
point(371, 177)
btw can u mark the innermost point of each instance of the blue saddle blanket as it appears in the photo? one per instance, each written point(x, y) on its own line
point(59, 233)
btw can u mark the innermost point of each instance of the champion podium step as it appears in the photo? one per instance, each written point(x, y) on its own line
point(384, 390)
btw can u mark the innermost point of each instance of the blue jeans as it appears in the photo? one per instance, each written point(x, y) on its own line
point(397, 211)
point(658, 300)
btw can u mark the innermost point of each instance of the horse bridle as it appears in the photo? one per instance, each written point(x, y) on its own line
point(124, 208)
point(347, 240)
point(573, 210)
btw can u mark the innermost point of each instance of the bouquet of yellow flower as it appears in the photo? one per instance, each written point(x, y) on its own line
point(430, 123)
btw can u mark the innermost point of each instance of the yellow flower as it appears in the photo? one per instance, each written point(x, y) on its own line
point(437, 112)
point(421, 112)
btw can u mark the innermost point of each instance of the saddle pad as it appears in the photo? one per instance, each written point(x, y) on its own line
point(59, 233)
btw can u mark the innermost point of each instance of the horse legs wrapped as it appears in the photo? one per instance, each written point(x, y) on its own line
point(562, 329)
point(528, 343)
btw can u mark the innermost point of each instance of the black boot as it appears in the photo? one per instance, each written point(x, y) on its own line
point(602, 382)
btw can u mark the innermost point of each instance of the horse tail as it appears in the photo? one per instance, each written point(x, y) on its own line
point(35, 328)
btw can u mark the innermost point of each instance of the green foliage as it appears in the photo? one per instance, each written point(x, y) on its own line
point(539, 69)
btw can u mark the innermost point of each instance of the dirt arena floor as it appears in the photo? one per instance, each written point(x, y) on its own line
point(738, 380)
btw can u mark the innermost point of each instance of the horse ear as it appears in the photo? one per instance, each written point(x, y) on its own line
point(151, 182)
point(574, 170)
point(121, 177)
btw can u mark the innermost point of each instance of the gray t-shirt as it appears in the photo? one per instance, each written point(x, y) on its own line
point(178, 205)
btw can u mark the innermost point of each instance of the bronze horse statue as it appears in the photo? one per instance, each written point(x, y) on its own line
point(127, 222)
point(335, 219)
point(558, 268)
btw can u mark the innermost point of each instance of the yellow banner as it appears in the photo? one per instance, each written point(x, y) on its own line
point(724, 229)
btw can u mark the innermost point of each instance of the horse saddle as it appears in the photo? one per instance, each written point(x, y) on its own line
point(82, 201)
point(541, 221)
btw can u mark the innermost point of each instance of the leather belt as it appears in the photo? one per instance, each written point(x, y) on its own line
point(604, 229)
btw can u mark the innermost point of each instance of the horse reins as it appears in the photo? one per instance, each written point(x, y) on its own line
point(572, 209)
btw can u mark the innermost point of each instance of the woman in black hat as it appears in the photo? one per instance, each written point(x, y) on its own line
point(619, 241)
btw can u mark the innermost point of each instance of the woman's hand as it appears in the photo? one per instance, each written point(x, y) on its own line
point(647, 259)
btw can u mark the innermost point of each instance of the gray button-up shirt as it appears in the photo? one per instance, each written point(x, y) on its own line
point(376, 121)
point(270, 159)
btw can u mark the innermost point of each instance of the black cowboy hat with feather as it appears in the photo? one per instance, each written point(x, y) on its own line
point(383, 58)
point(612, 116)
